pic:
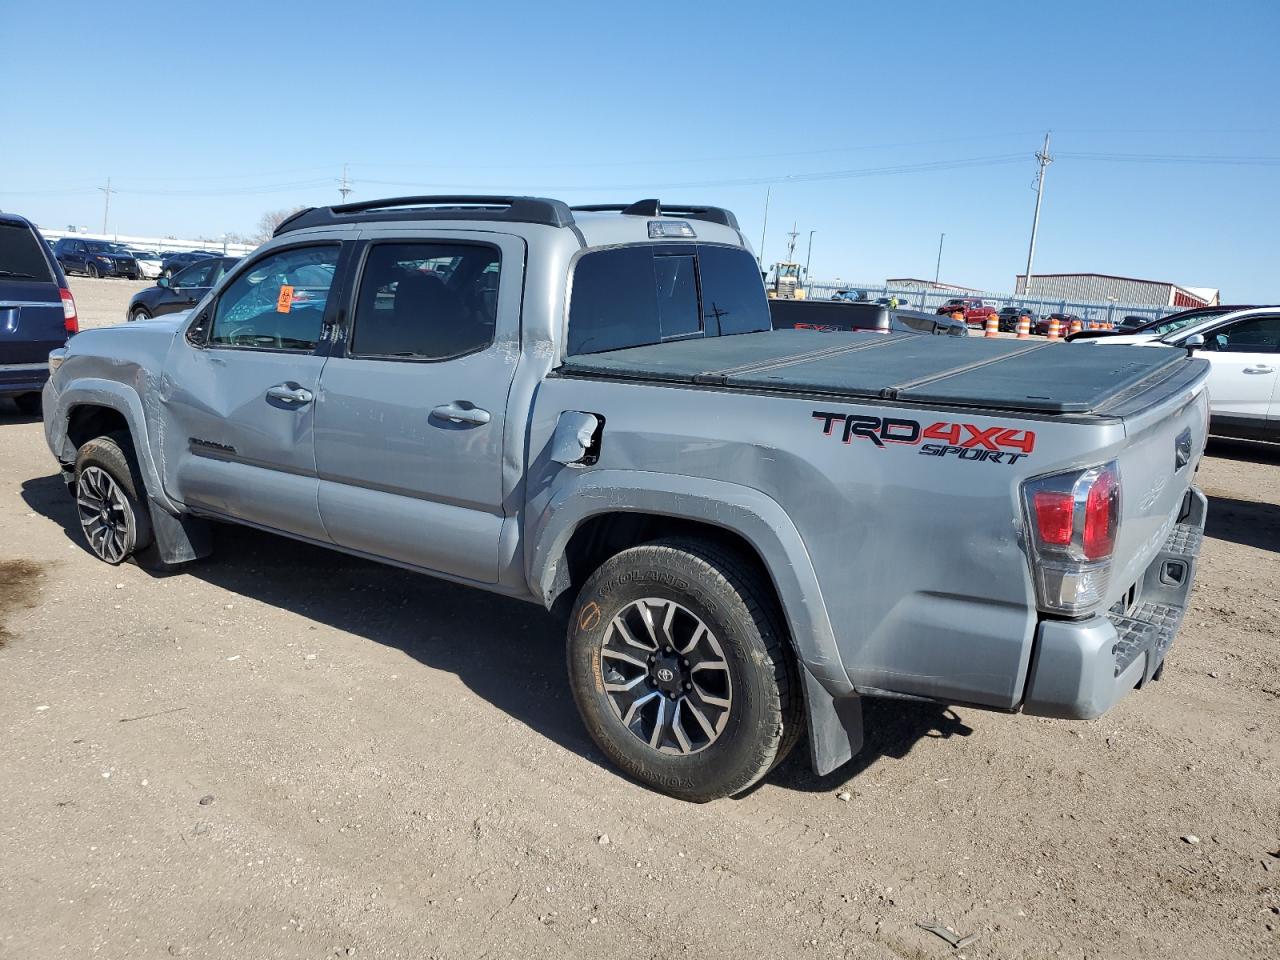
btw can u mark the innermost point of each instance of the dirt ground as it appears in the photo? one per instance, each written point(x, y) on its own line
point(282, 752)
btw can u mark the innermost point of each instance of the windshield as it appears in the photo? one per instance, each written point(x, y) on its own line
point(97, 246)
point(1163, 330)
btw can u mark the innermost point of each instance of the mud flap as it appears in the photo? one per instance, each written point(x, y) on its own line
point(179, 539)
point(835, 726)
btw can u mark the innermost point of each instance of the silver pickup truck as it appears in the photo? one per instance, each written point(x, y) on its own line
point(748, 529)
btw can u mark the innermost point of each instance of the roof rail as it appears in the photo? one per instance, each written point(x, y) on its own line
point(652, 208)
point(552, 213)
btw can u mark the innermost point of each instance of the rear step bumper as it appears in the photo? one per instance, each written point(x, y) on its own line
point(1083, 667)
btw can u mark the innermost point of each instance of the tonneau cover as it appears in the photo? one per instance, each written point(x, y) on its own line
point(1034, 376)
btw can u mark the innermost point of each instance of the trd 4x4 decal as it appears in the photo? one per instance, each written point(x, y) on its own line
point(964, 441)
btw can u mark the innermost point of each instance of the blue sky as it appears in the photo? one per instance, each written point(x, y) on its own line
point(205, 116)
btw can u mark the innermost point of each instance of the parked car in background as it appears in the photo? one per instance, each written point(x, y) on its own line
point(37, 311)
point(95, 258)
point(182, 291)
point(1064, 323)
point(831, 316)
point(1132, 322)
point(1008, 318)
point(973, 311)
point(1154, 329)
point(173, 262)
point(150, 264)
point(1243, 350)
point(850, 296)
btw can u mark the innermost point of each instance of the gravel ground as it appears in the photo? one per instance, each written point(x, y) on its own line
point(101, 303)
point(284, 752)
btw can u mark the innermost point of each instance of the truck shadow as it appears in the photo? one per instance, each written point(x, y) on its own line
point(10, 414)
point(1246, 522)
point(507, 651)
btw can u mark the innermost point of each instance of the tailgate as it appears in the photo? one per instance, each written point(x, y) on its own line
point(1165, 434)
point(31, 322)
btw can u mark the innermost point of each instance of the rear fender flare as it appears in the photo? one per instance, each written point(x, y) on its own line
point(755, 517)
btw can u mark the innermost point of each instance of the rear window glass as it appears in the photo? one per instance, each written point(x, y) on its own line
point(21, 258)
point(640, 295)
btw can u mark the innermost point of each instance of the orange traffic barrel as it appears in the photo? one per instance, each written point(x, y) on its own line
point(1024, 328)
point(1055, 329)
point(1076, 326)
point(992, 327)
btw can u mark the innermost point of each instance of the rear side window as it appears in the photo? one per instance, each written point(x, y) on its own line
point(645, 294)
point(278, 303)
point(426, 301)
point(21, 258)
point(1259, 335)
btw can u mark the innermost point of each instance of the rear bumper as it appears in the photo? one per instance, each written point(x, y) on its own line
point(1081, 668)
point(16, 378)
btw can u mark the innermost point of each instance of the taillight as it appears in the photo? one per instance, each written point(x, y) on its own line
point(1073, 519)
point(69, 318)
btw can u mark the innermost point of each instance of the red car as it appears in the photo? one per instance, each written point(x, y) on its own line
point(975, 311)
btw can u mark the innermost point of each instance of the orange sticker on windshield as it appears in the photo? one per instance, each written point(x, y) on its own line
point(285, 301)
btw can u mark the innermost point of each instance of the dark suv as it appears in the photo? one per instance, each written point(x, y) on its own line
point(182, 291)
point(37, 313)
point(95, 258)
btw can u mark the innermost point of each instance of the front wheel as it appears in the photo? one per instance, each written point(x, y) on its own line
point(110, 500)
point(91, 271)
point(679, 667)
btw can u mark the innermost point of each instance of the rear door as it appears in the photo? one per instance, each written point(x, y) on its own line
point(32, 321)
point(412, 409)
point(240, 390)
point(1244, 357)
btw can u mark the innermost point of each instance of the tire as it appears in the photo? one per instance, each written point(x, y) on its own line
point(91, 271)
point(28, 403)
point(743, 710)
point(139, 313)
point(109, 490)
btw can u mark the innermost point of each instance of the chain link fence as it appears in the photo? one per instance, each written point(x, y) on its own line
point(928, 300)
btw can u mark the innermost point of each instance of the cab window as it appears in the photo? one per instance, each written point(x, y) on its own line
point(426, 301)
point(278, 303)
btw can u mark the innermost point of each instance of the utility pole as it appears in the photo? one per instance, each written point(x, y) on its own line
point(937, 270)
point(791, 244)
point(344, 185)
point(764, 231)
point(106, 209)
point(1045, 160)
point(808, 256)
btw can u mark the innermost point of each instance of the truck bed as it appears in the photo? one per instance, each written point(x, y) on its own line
point(1038, 377)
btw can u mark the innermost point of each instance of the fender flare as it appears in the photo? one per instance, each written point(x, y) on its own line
point(96, 392)
point(747, 512)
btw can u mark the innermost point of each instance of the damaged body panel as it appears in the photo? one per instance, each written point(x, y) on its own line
point(880, 490)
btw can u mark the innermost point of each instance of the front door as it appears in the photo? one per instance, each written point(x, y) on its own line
point(187, 287)
point(410, 421)
point(240, 393)
point(1244, 360)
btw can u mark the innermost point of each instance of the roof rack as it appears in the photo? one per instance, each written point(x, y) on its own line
point(552, 213)
point(652, 208)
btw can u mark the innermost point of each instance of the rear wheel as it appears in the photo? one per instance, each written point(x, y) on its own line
point(680, 670)
point(110, 500)
point(140, 313)
point(28, 403)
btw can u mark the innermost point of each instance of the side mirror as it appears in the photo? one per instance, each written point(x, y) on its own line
point(162, 282)
point(1193, 343)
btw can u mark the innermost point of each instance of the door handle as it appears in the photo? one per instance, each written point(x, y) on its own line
point(1259, 369)
point(290, 394)
point(461, 411)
